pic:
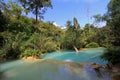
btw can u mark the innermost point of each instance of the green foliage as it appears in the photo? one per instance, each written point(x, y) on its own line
point(50, 47)
point(103, 37)
point(69, 23)
point(3, 22)
point(76, 24)
point(88, 34)
point(15, 9)
point(69, 39)
point(23, 24)
point(113, 17)
point(72, 36)
point(113, 21)
point(49, 29)
point(98, 19)
point(12, 43)
point(21, 37)
point(29, 52)
point(7, 41)
point(92, 45)
point(112, 55)
point(40, 43)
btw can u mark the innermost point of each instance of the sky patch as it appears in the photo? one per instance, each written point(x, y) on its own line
point(86, 1)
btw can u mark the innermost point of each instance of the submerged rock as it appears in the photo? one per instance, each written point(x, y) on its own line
point(115, 77)
point(96, 66)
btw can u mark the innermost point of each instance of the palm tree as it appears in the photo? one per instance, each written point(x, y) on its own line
point(76, 24)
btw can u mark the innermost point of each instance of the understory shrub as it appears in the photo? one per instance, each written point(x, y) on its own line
point(112, 55)
point(29, 52)
point(92, 45)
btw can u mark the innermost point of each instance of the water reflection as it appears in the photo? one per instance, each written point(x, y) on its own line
point(50, 70)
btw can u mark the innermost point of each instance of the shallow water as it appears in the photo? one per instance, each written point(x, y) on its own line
point(49, 70)
point(92, 55)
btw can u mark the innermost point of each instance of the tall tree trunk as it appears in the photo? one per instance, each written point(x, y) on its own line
point(36, 11)
point(36, 14)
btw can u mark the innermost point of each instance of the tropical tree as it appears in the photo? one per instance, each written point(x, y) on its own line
point(38, 7)
point(113, 21)
point(76, 24)
point(113, 18)
point(15, 9)
point(69, 23)
point(88, 33)
point(103, 36)
point(97, 19)
point(72, 35)
point(76, 31)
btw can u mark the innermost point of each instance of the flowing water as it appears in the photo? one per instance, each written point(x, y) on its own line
point(68, 69)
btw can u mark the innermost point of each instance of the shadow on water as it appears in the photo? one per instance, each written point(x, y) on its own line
point(1, 75)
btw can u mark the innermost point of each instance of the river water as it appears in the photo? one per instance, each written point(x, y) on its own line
point(92, 55)
point(65, 66)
